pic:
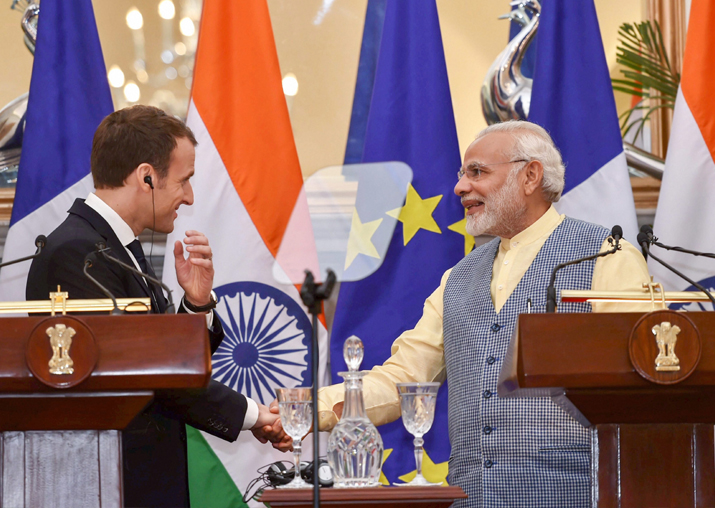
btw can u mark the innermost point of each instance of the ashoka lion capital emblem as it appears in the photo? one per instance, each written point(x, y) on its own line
point(61, 341)
point(666, 336)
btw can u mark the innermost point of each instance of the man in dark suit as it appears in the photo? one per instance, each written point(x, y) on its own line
point(142, 161)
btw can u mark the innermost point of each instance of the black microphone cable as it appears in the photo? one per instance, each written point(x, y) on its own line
point(654, 241)
point(645, 238)
point(148, 180)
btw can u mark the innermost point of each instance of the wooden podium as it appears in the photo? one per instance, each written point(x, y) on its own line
point(649, 401)
point(60, 443)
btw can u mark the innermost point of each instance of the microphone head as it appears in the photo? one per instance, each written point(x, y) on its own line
point(642, 238)
point(617, 232)
point(41, 241)
point(648, 230)
point(88, 259)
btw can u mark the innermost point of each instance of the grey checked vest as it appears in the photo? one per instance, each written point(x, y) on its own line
point(512, 452)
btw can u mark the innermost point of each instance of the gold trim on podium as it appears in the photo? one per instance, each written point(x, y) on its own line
point(570, 295)
point(95, 305)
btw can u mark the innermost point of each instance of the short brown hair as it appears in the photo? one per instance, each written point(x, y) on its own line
point(133, 136)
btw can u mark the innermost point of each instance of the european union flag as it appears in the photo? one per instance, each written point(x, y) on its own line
point(410, 120)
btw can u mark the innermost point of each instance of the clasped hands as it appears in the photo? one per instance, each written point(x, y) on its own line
point(268, 427)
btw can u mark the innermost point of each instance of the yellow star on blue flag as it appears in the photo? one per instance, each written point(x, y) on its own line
point(461, 228)
point(416, 214)
point(434, 473)
point(360, 239)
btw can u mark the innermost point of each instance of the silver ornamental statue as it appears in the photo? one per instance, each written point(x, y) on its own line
point(506, 92)
point(355, 446)
point(12, 115)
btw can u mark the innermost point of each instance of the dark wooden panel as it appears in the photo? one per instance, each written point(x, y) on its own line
point(423, 497)
point(649, 405)
point(608, 475)
point(70, 411)
point(656, 465)
point(704, 463)
point(135, 352)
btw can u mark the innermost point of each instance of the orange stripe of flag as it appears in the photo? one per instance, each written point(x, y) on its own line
point(238, 93)
point(699, 69)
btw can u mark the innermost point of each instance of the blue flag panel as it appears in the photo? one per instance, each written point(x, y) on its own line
point(69, 97)
point(372, 32)
point(572, 96)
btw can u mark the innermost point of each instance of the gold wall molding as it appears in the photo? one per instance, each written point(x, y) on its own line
point(7, 197)
point(671, 16)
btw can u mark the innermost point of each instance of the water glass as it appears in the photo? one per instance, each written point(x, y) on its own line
point(418, 402)
point(296, 412)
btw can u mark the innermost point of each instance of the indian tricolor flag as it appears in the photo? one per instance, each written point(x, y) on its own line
point(685, 208)
point(246, 185)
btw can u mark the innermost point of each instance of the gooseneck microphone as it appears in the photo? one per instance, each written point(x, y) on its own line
point(104, 251)
point(40, 243)
point(88, 263)
point(646, 238)
point(614, 239)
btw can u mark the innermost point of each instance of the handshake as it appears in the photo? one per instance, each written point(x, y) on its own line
point(268, 427)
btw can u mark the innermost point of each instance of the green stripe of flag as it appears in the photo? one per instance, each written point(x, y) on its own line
point(210, 485)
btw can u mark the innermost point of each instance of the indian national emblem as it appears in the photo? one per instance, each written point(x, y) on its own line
point(61, 341)
point(666, 337)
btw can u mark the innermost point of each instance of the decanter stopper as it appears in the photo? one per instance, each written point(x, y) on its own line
point(353, 353)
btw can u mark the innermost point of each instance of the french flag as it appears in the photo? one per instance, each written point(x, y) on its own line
point(69, 97)
point(572, 98)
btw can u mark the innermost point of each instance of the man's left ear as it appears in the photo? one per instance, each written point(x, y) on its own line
point(534, 174)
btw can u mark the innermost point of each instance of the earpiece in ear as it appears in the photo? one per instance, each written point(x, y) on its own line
point(147, 180)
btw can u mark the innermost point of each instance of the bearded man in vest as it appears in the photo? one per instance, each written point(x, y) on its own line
point(505, 452)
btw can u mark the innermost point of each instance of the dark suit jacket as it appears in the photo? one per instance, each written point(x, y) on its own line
point(154, 444)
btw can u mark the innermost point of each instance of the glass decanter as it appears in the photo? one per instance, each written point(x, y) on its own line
point(355, 446)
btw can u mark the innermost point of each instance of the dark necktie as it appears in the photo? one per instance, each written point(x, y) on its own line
point(158, 301)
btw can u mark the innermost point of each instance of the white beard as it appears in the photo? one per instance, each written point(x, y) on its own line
point(502, 214)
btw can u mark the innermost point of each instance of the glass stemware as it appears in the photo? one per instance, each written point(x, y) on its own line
point(296, 412)
point(418, 401)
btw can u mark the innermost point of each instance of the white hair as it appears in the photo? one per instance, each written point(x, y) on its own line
point(533, 143)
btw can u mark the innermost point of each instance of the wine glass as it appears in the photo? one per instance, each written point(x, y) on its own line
point(296, 412)
point(418, 401)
